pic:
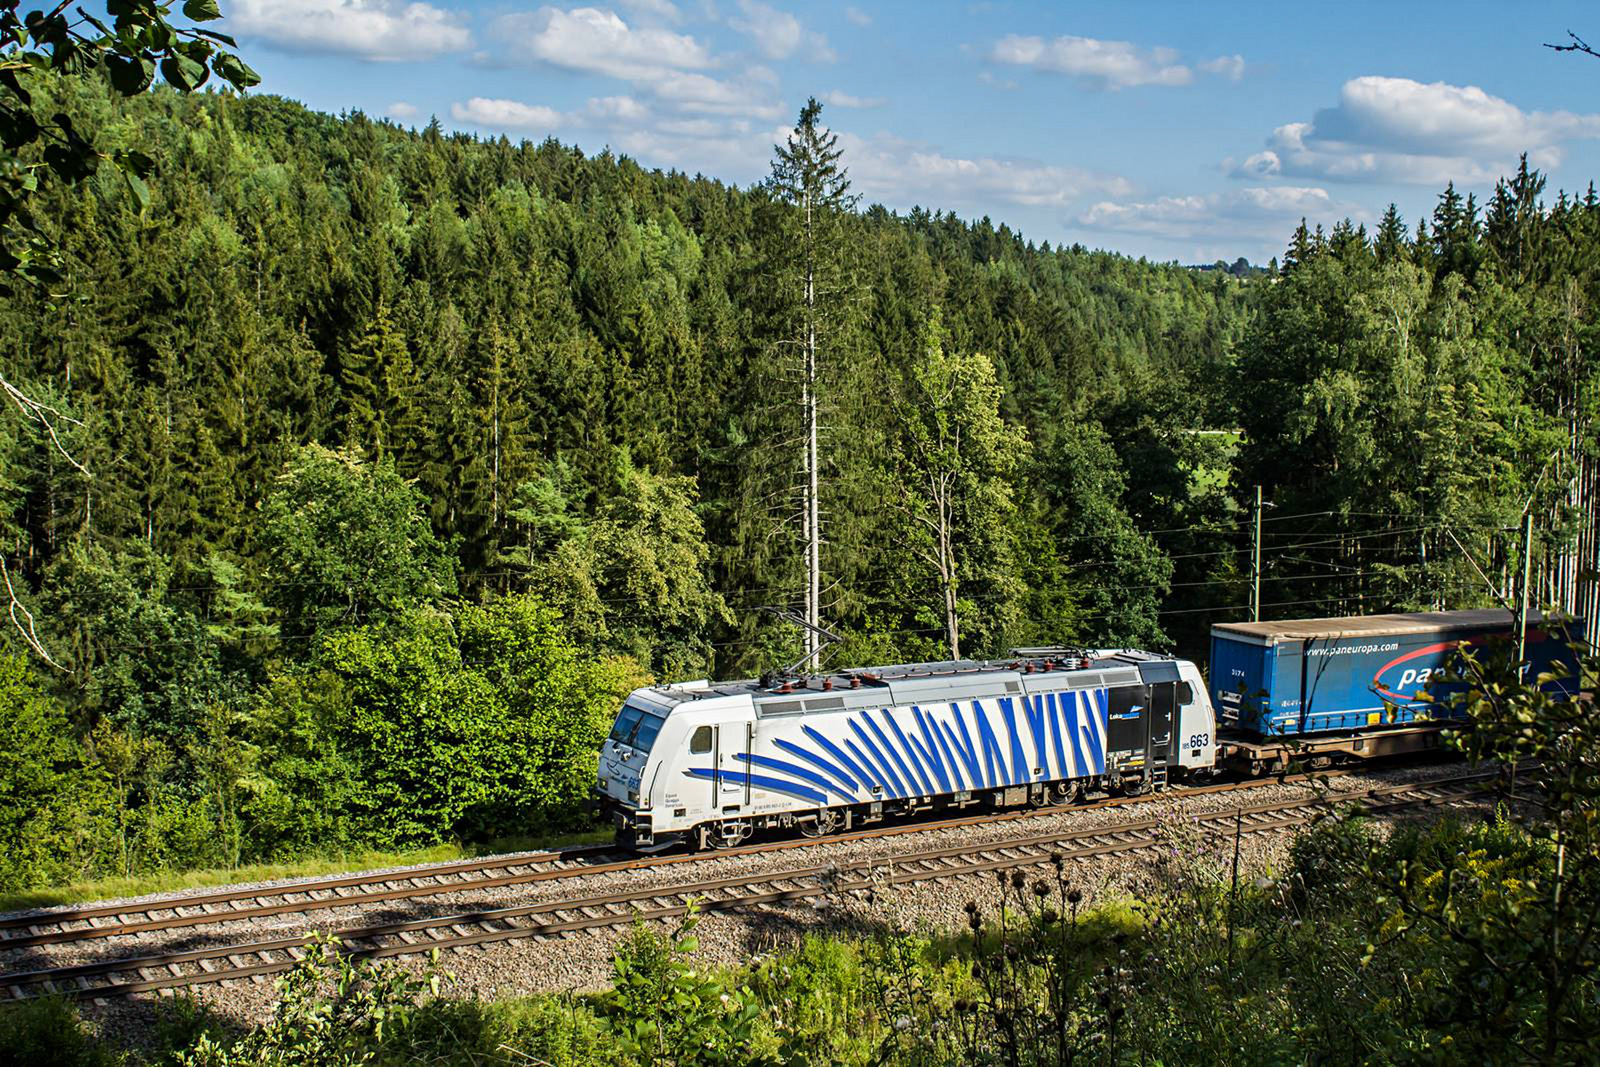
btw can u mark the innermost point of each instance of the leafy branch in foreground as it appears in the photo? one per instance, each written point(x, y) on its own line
point(131, 40)
point(1523, 927)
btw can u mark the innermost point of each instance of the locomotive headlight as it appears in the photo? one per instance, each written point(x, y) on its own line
point(603, 782)
point(633, 796)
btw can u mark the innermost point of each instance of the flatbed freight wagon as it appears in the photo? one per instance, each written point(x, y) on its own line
point(1310, 679)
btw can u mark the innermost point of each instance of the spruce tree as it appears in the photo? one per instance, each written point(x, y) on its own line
point(807, 175)
point(1390, 244)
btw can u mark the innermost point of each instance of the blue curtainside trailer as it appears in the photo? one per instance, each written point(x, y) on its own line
point(1315, 676)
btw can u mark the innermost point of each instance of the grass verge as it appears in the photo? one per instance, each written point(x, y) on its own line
point(310, 867)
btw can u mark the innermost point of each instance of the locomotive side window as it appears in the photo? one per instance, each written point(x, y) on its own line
point(1185, 693)
point(700, 743)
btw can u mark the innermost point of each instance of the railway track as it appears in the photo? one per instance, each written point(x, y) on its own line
point(155, 972)
point(101, 921)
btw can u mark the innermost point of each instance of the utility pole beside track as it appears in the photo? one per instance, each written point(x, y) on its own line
point(1255, 566)
point(1522, 595)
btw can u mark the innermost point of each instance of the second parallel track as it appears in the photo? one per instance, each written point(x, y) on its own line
point(156, 972)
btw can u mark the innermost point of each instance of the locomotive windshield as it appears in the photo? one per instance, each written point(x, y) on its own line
point(636, 727)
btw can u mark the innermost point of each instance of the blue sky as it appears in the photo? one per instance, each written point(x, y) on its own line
point(1176, 131)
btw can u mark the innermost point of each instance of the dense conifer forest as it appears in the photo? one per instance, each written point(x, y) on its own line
point(386, 460)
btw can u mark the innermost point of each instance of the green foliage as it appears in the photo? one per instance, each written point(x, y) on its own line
point(36, 777)
point(954, 461)
point(139, 657)
point(633, 579)
point(663, 1010)
point(1118, 574)
point(332, 1011)
point(42, 46)
point(48, 1032)
point(346, 543)
point(354, 744)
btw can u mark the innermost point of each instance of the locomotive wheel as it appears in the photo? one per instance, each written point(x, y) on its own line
point(1060, 793)
point(710, 836)
point(827, 822)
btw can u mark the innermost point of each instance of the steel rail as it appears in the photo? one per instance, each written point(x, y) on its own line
point(622, 908)
point(307, 886)
point(549, 865)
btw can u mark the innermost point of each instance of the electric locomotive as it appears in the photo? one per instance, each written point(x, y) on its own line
point(711, 764)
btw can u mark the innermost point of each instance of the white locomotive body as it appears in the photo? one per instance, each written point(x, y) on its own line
point(712, 763)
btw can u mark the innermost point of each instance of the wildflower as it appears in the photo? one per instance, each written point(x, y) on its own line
point(1074, 895)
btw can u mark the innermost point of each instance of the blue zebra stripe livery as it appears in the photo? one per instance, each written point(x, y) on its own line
point(929, 750)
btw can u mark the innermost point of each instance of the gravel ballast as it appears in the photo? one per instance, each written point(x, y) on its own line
point(581, 961)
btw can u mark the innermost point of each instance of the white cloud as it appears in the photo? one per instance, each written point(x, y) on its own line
point(778, 34)
point(708, 96)
point(858, 16)
point(1107, 64)
point(612, 115)
point(731, 149)
point(1399, 130)
point(507, 115)
point(593, 41)
point(667, 64)
point(902, 173)
point(1230, 67)
point(1241, 216)
point(607, 109)
point(370, 29)
point(401, 110)
point(665, 10)
point(836, 98)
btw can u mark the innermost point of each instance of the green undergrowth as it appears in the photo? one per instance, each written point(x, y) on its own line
point(344, 863)
point(1367, 947)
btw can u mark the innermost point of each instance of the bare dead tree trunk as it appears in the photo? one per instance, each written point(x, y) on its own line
point(947, 569)
point(813, 517)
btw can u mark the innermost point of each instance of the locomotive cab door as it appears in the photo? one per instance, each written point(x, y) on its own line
point(731, 790)
point(1161, 682)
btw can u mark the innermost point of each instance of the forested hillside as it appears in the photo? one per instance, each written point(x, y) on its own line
point(387, 460)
